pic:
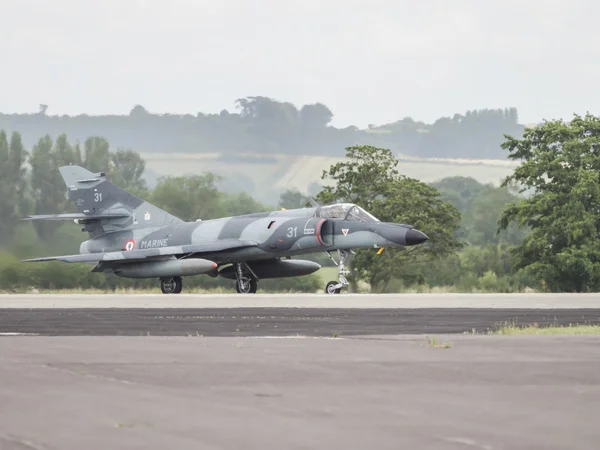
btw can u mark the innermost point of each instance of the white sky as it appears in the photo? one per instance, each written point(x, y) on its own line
point(372, 61)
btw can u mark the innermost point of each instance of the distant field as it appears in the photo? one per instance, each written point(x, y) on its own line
point(288, 171)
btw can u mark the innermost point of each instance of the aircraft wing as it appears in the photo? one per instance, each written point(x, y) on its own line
point(73, 216)
point(147, 254)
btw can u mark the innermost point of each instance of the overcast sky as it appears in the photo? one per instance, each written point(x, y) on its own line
point(372, 61)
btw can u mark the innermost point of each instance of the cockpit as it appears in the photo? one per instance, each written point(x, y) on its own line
point(345, 211)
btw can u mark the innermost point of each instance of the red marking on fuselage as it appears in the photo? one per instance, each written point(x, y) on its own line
point(318, 231)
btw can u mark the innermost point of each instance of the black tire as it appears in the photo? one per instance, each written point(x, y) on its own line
point(168, 285)
point(252, 287)
point(330, 290)
point(178, 285)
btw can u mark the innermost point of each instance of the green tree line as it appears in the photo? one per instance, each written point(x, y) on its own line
point(30, 183)
point(466, 251)
point(267, 126)
point(538, 230)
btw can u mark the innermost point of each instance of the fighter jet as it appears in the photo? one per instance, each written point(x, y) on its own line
point(132, 238)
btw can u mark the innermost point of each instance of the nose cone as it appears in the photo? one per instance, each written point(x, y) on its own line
point(415, 237)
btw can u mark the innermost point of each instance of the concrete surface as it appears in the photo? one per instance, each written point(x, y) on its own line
point(277, 321)
point(362, 301)
point(484, 392)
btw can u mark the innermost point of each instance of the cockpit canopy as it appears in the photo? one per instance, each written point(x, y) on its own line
point(345, 211)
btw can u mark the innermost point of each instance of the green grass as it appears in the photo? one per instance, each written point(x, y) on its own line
point(432, 342)
point(328, 274)
point(120, 291)
point(325, 274)
point(512, 329)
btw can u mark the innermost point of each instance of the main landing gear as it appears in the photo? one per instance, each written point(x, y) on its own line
point(247, 281)
point(171, 285)
point(335, 287)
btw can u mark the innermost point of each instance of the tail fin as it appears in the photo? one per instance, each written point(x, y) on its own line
point(100, 200)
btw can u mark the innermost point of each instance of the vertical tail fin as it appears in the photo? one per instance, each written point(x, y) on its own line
point(95, 196)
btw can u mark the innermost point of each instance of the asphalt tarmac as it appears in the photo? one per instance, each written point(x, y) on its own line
point(382, 375)
point(276, 321)
point(287, 315)
point(469, 392)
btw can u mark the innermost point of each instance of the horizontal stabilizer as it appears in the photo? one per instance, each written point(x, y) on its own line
point(79, 216)
point(146, 254)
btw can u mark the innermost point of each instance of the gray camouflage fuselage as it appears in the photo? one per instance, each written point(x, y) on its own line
point(277, 234)
point(133, 238)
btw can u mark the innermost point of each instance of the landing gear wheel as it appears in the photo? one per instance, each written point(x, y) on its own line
point(331, 288)
point(246, 279)
point(171, 285)
point(178, 285)
point(335, 287)
point(248, 287)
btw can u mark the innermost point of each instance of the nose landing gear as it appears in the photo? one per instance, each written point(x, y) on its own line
point(335, 287)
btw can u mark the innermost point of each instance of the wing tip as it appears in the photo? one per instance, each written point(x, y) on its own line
point(49, 258)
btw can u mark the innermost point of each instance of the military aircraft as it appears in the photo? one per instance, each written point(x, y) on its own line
point(132, 238)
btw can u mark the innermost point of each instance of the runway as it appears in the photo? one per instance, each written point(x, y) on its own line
point(276, 321)
point(285, 315)
point(483, 392)
point(295, 371)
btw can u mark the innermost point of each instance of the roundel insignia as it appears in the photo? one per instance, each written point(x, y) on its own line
point(130, 245)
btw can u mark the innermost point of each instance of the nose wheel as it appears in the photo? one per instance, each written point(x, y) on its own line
point(335, 287)
point(171, 285)
point(332, 288)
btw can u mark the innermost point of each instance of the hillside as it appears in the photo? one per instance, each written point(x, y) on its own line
point(277, 173)
point(263, 126)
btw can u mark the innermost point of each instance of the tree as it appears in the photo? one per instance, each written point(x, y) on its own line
point(362, 177)
point(127, 171)
point(7, 200)
point(460, 191)
point(369, 178)
point(480, 206)
point(97, 154)
point(560, 165)
point(64, 153)
point(270, 120)
point(138, 111)
point(239, 204)
point(292, 199)
point(17, 176)
point(189, 197)
point(47, 186)
point(315, 116)
point(481, 219)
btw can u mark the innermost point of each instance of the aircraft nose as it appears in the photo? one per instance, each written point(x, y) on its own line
point(415, 237)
